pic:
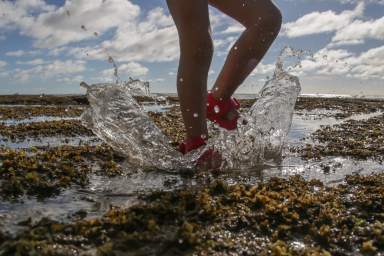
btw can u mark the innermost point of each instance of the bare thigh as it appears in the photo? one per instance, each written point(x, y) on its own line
point(191, 18)
point(247, 12)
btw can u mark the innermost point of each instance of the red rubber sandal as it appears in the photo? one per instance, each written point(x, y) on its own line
point(217, 109)
point(209, 160)
point(191, 144)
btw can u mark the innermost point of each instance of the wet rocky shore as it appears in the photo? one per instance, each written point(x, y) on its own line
point(46, 153)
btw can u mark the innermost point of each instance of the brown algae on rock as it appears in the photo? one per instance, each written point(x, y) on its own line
point(277, 217)
point(360, 139)
point(26, 112)
point(44, 173)
point(211, 220)
point(44, 129)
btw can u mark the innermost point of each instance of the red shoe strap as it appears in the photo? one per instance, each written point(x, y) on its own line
point(191, 144)
point(221, 107)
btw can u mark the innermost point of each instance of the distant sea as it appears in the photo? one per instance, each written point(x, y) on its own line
point(309, 95)
point(253, 96)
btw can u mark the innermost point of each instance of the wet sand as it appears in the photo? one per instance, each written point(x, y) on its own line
point(194, 213)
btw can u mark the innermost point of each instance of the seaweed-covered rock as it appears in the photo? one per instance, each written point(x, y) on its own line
point(44, 173)
point(20, 132)
point(277, 217)
point(360, 139)
point(26, 112)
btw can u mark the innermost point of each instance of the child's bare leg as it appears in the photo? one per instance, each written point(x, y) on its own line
point(196, 48)
point(262, 20)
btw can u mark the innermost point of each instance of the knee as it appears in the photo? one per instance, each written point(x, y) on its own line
point(269, 22)
point(198, 48)
point(275, 19)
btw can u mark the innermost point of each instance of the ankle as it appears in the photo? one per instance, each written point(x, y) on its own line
point(192, 143)
point(219, 95)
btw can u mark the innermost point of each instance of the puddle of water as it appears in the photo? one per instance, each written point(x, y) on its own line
point(156, 108)
point(35, 119)
point(303, 124)
point(49, 142)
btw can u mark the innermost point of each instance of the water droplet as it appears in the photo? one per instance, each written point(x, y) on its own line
point(203, 136)
point(235, 48)
point(216, 109)
point(181, 80)
point(195, 115)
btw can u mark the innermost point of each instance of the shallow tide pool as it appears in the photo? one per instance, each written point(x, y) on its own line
point(102, 192)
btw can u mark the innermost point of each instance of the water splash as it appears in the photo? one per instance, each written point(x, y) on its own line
point(116, 117)
point(263, 130)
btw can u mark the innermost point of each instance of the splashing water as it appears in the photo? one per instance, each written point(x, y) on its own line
point(267, 122)
point(116, 117)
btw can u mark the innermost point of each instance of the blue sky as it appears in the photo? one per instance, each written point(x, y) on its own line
point(51, 46)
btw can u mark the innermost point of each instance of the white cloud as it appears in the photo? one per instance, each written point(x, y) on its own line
point(154, 39)
point(56, 69)
point(157, 80)
point(17, 53)
point(70, 79)
point(131, 69)
point(348, 26)
point(54, 26)
point(357, 31)
point(3, 64)
point(138, 36)
point(4, 74)
point(340, 62)
point(237, 28)
point(263, 69)
point(321, 22)
point(357, 1)
point(20, 53)
point(31, 62)
point(225, 45)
